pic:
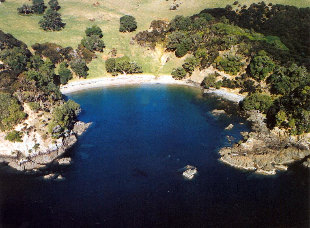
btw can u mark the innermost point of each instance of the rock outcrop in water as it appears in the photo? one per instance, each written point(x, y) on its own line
point(47, 153)
point(264, 150)
point(189, 172)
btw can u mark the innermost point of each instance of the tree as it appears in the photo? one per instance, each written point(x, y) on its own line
point(25, 10)
point(54, 5)
point(178, 73)
point(260, 66)
point(257, 101)
point(209, 81)
point(63, 118)
point(10, 111)
point(64, 73)
point(127, 24)
point(16, 59)
point(14, 136)
point(181, 23)
point(51, 21)
point(189, 64)
point(93, 43)
point(110, 65)
point(94, 30)
point(79, 67)
point(38, 6)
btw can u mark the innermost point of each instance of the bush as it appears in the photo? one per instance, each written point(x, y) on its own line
point(127, 24)
point(189, 64)
point(209, 81)
point(38, 6)
point(64, 73)
point(14, 136)
point(54, 5)
point(257, 101)
point(229, 64)
point(93, 43)
point(110, 65)
point(34, 106)
point(51, 21)
point(63, 118)
point(122, 65)
point(79, 67)
point(94, 30)
point(25, 10)
point(10, 112)
point(181, 23)
point(178, 73)
point(260, 66)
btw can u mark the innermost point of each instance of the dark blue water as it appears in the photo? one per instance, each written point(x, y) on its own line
point(125, 170)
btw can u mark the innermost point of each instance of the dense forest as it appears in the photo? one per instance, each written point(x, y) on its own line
point(264, 49)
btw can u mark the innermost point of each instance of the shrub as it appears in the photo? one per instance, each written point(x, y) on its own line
point(94, 30)
point(122, 65)
point(260, 66)
point(64, 73)
point(189, 64)
point(14, 136)
point(10, 111)
point(34, 106)
point(63, 118)
point(181, 23)
point(93, 43)
point(127, 24)
point(79, 67)
point(38, 6)
point(54, 5)
point(25, 10)
point(178, 73)
point(229, 64)
point(209, 81)
point(51, 21)
point(257, 101)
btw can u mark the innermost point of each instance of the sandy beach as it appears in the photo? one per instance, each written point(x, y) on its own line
point(139, 79)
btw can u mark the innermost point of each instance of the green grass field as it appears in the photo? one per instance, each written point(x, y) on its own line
point(77, 14)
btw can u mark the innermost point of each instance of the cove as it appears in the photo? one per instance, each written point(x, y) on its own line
point(125, 170)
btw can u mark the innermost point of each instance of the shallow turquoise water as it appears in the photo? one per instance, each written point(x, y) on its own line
point(125, 170)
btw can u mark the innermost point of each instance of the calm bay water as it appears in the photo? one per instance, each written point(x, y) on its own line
point(125, 170)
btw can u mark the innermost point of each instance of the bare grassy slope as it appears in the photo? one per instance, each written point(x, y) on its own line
point(79, 14)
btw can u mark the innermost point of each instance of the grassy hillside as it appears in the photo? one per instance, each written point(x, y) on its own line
point(79, 14)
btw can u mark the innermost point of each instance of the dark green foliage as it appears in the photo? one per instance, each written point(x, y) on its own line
point(206, 16)
point(110, 65)
point(228, 83)
point(122, 65)
point(16, 59)
point(284, 80)
point(209, 81)
point(64, 73)
point(178, 73)
point(248, 86)
point(257, 101)
point(14, 136)
point(51, 21)
point(127, 24)
point(38, 6)
point(49, 50)
point(79, 67)
point(45, 79)
point(94, 30)
point(229, 64)
point(260, 66)
point(63, 118)
point(11, 112)
point(25, 10)
point(181, 23)
point(93, 43)
point(189, 64)
point(175, 39)
point(54, 5)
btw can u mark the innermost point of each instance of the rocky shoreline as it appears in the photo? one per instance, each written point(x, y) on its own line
point(43, 159)
point(265, 151)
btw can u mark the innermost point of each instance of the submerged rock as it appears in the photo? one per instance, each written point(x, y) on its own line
point(64, 161)
point(307, 163)
point(50, 176)
point(217, 112)
point(190, 172)
point(229, 127)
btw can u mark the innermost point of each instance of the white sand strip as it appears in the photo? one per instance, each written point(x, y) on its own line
point(226, 94)
point(134, 79)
